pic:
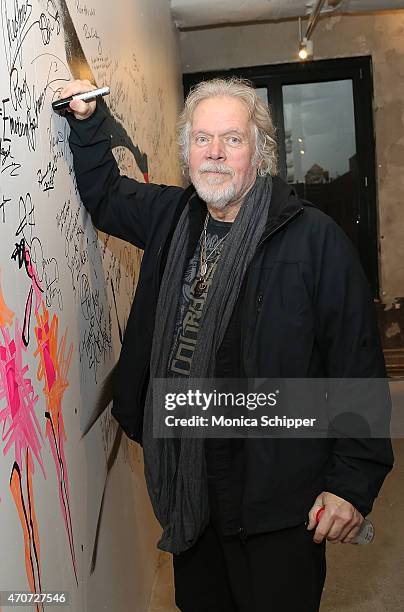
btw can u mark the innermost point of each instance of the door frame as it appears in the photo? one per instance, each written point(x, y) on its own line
point(360, 71)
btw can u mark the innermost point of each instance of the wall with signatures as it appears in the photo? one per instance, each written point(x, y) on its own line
point(74, 515)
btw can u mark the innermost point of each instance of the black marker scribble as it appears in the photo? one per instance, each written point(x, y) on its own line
point(7, 160)
point(80, 69)
point(91, 33)
point(83, 9)
point(63, 484)
point(3, 207)
point(22, 255)
point(43, 272)
point(96, 343)
point(116, 313)
point(21, 111)
point(17, 26)
point(25, 504)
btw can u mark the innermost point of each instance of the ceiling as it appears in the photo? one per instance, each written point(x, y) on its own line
point(202, 13)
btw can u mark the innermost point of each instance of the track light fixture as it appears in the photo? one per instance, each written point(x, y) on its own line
point(305, 42)
point(305, 49)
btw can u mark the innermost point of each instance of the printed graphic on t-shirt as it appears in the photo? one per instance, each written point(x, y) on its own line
point(190, 307)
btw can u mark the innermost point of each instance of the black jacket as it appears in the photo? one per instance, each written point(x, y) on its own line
point(305, 310)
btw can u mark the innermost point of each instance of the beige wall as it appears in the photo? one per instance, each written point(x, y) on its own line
point(381, 36)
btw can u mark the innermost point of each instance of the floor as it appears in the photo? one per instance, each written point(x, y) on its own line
point(359, 579)
point(163, 592)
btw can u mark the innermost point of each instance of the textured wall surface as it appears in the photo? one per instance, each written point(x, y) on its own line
point(74, 513)
point(380, 35)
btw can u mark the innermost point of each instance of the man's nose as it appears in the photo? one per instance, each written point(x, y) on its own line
point(216, 149)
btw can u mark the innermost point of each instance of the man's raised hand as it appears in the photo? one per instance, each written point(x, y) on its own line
point(80, 109)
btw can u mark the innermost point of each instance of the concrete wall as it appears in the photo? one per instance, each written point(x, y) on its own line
point(380, 35)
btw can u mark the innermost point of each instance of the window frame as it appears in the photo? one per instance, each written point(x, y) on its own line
point(360, 71)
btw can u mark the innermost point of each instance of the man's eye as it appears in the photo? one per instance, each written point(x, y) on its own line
point(201, 140)
point(234, 140)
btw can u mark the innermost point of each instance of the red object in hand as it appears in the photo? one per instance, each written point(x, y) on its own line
point(319, 513)
point(366, 532)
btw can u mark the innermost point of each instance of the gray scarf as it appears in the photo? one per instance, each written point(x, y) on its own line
point(177, 482)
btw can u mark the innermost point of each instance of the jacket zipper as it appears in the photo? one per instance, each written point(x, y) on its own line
point(241, 530)
point(242, 535)
point(261, 242)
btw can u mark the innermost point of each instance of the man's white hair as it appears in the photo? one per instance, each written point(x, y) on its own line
point(265, 155)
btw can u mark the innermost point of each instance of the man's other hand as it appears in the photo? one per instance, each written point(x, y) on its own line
point(340, 521)
point(80, 109)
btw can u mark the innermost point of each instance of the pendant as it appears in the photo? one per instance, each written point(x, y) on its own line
point(200, 288)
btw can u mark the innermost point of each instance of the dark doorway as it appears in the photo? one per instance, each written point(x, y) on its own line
point(323, 111)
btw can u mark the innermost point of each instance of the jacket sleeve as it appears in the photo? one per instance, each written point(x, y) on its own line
point(350, 345)
point(118, 205)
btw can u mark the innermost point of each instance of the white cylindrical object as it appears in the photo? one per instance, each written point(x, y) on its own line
point(366, 533)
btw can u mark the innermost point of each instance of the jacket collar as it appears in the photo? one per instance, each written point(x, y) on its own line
point(285, 205)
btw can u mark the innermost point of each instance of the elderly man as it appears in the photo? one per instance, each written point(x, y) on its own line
point(239, 278)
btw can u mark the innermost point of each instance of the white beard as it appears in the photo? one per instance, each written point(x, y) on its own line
point(209, 190)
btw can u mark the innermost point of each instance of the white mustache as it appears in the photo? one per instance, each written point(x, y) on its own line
point(219, 168)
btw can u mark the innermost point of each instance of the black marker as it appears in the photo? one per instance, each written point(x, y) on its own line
point(63, 103)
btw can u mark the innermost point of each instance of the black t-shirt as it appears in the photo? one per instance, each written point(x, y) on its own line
point(190, 306)
point(224, 458)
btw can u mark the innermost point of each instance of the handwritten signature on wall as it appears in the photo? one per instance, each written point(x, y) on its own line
point(33, 335)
